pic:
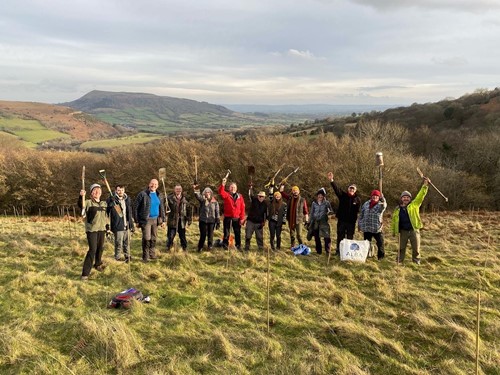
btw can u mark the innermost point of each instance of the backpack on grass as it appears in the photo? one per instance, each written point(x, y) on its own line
point(125, 299)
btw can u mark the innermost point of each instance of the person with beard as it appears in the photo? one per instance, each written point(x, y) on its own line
point(256, 219)
point(179, 217)
point(297, 213)
point(95, 228)
point(277, 218)
point(120, 224)
point(234, 213)
point(407, 223)
point(370, 220)
point(347, 213)
point(209, 217)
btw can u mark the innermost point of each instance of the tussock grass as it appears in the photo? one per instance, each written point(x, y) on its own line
point(208, 311)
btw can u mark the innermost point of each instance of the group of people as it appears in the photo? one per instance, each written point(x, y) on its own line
point(151, 210)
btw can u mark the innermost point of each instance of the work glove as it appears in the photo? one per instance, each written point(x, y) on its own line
point(107, 227)
point(217, 224)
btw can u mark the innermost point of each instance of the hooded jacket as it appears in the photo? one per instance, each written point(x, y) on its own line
point(209, 208)
point(117, 222)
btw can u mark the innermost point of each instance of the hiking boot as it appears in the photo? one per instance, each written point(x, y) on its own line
point(127, 259)
point(84, 278)
point(416, 261)
point(146, 260)
point(100, 267)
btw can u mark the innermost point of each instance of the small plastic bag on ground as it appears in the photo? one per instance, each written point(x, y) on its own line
point(301, 250)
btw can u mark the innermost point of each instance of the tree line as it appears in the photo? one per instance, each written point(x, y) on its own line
point(44, 180)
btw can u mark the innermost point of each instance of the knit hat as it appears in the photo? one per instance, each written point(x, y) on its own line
point(375, 192)
point(352, 185)
point(261, 194)
point(93, 186)
point(295, 188)
point(321, 191)
point(277, 194)
point(405, 193)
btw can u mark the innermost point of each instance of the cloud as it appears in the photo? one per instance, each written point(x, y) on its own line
point(470, 6)
point(306, 55)
point(450, 61)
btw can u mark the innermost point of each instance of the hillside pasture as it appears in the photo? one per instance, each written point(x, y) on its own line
point(208, 311)
point(121, 141)
point(30, 130)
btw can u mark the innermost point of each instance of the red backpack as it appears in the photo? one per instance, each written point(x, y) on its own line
point(125, 298)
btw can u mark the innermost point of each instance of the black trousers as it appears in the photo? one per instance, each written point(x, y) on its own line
point(235, 224)
point(206, 230)
point(317, 242)
point(344, 230)
point(172, 231)
point(94, 254)
point(379, 238)
point(275, 233)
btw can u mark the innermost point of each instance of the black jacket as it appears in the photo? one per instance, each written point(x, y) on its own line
point(348, 205)
point(143, 205)
point(258, 210)
point(117, 222)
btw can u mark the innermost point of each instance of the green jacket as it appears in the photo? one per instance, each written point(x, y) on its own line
point(413, 211)
point(95, 220)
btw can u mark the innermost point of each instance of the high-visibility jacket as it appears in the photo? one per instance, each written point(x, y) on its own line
point(413, 211)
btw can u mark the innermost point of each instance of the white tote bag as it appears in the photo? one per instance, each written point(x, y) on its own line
point(356, 251)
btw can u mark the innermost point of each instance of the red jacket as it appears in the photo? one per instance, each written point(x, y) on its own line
point(234, 208)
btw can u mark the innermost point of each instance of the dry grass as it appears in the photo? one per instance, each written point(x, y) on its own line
point(208, 311)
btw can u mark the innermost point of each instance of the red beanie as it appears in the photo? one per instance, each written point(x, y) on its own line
point(375, 192)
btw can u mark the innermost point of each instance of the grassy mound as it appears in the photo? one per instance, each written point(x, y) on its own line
point(208, 311)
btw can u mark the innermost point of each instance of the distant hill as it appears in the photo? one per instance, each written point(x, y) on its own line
point(477, 111)
point(41, 124)
point(311, 110)
point(159, 114)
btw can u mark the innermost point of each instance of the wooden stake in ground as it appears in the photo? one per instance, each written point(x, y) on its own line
point(83, 188)
point(477, 330)
point(268, 286)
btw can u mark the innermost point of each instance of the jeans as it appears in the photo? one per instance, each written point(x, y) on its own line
point(121, 243)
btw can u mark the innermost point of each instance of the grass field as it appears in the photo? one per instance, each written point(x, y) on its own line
point(30, 130)
point(208, 311)
point(122, 141)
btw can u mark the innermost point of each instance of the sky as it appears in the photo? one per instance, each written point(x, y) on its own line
point(250, 51)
